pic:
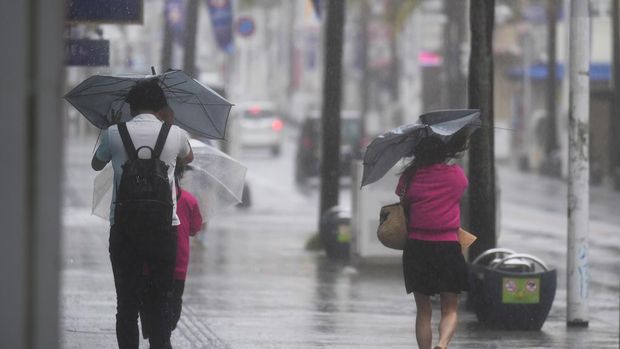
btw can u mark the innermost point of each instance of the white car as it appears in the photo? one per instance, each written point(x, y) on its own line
point(259, 126)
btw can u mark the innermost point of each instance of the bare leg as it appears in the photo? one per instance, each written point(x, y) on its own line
point(423, 330)
point(449, 318)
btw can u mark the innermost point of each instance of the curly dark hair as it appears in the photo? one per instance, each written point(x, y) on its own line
point(146, 95)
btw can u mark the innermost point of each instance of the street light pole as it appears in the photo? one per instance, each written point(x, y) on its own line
point(578, 167)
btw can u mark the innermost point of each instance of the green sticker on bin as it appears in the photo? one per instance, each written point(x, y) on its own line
point(344, 233)
point(517, 290)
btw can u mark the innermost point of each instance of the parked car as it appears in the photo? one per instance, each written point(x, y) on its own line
point(308, 157)
point(259, 126)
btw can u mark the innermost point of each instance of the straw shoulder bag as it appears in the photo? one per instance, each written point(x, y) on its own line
point(392, 229)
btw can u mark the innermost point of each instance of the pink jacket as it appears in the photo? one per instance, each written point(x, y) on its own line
point(434, 197)
point(191, 223)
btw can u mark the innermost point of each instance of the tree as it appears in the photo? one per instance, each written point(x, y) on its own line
point(166, 49)
point(189, 56)
point(330, 114)
point(454, 33)
point(481, 153)
point(551, 164)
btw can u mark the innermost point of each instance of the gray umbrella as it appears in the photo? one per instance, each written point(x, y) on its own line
point(387, 149)
point(197, 108)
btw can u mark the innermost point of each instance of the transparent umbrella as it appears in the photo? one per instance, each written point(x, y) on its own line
point(214, 178)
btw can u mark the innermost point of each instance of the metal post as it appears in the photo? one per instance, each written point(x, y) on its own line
point(578, 170)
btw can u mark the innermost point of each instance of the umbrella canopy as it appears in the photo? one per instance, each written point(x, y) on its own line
point(198, 109)
point(214, 178)
point(387, 149)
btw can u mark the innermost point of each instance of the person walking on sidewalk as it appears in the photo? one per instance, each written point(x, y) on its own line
point(188, 212)
point(144, 153)
point(431, 191)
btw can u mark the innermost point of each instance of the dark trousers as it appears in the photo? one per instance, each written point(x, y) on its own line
point(129, 252)
point(176, 305)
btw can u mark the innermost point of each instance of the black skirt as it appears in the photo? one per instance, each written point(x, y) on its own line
point(432, 267)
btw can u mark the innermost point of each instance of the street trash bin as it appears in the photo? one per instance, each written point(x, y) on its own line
point(335, 232)
point(511, 291)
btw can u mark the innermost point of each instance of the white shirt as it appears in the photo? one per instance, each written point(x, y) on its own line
point(143, 130)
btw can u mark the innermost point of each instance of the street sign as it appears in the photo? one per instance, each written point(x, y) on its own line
point(109, 11)
point(87, 52)
point(245, 26)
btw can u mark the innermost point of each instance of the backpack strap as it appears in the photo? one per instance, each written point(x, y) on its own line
point(127, 142)
point(161, 140)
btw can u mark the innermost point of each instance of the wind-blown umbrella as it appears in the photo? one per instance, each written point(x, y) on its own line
point(214, 178)
point(387, 149)
point(198, 109)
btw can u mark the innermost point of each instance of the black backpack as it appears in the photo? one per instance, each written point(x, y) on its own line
point(143, 197)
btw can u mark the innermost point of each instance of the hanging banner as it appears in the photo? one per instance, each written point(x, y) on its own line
point(221, 15)
point(175, 19)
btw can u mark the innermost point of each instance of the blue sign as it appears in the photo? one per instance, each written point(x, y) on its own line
point(245, 26)
point(87, 52)
point(222, 20)
point(108, 11)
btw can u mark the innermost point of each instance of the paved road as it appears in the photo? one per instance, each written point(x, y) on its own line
point(252, 285)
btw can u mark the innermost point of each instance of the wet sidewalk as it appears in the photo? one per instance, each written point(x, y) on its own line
point(251, 284)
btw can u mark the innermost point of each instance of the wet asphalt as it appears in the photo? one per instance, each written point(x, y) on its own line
point(251, 283)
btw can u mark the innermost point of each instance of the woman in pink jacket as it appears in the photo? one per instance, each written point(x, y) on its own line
point(431, 190)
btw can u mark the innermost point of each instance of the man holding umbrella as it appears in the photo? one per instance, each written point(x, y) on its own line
point(144, 152)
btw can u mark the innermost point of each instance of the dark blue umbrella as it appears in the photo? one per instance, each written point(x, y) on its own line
point(197, 108)
point(389, 148)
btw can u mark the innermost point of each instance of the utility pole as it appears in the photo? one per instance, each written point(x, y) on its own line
point(615, 116)
point(578, 166)
point(481, 153)
point(330, 114)
point(552, 163)
point(189, 56)
point(166, 48)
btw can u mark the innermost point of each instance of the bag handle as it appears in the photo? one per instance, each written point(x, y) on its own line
point(127, 142)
